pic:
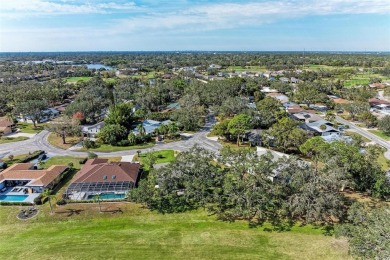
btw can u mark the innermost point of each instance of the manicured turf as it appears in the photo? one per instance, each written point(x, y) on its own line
point(380, 134)
point(163, 156)
point(110, 148)
point(65, 160)
point(56, 140)
point(4, 140)
point(29, 128)
point(76, 79)
point(354, 134)
point(127, 231)
point(246, 68)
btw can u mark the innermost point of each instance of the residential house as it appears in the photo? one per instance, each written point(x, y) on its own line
point(150, 126)
point(6, 126)
point(46, 115)
point(284, 80)
point(377, 85)
point(108, 180)
point(281, 97)
point(320, 127)
point(376, 102)
point(21, 182)
point(294, 80)
point(171, 107)
point(92, 130)
point(305, 117)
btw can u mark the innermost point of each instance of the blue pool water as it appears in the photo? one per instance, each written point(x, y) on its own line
point(108, 196)
point(13, 197)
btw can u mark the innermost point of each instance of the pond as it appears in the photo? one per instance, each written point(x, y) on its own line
point(98, 66)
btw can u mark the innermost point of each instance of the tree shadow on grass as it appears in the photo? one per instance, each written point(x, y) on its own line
point(70, 212)
point(113, 211)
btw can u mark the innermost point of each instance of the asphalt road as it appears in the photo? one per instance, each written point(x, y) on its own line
point(367, 134)
point(39, 142)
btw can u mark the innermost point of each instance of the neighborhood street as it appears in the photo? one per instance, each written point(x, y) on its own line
point(367, 134)
point(39, 142)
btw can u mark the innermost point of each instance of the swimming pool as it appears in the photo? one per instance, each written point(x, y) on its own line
point(107, 196)
point(13, 197)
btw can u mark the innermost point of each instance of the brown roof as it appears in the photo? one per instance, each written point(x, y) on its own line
point(378, 101)
point(340, 101)
point(23, 171)
point(5, 123)
point(99, 170)
point(294, 109)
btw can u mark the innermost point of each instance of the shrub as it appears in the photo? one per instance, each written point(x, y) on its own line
point(124, 143)
point(70, 165)
point(30, 157)
point(11, 157)
point(82, 161)
point(38, 200)
point(90, 144)
point(61, 202)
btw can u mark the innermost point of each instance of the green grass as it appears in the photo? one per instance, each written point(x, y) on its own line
point(126, 230)
point(56, 141)
point(65, 160)
point(362, 79)
point(383, 162)
point(246, 68)
point(163, 156)
point(353, 134)
point(76, 79)
point(380, 134)
point(110, 148)
point(4, 140)
point(16, 157)
point(29, 128)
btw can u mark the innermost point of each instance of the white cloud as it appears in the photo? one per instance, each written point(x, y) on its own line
point(23, 8)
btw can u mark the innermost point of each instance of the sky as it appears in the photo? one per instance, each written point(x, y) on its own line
point(184, 25)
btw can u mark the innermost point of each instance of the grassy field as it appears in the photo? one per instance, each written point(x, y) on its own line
point(362, 79)
point(246, 68)
point(76, 79)
point(316, 67)
point(110, 148)
point(29, 128)
point(380, 134)
point(65, 160)
point(163, 156)
point(56, 141)
point(126, 230)
point(145, 75)
point(4, 139)
point(353, 134)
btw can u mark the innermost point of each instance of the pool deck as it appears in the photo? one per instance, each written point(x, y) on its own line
point(29, 199)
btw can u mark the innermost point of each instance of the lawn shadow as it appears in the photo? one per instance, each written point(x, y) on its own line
point(113, 211)
point(70, 212)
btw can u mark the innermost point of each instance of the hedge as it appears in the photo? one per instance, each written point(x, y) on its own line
point(14, 203)
point(30, 157)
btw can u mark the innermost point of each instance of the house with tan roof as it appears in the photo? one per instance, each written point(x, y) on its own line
point(109, 181)
point(6, 126)
point(21, 182)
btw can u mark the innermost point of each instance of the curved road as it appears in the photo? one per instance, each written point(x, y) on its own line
point(39, 142)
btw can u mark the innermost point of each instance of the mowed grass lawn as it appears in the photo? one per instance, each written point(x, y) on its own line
point(56, 141)
point(76, 79)
point(128, 231)
point(65, 160)
point(380, 134)
point(4, 139)
point(163, 156)
point(29, 128)
point(109, 148)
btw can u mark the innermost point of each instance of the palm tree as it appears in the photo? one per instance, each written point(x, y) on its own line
point(132, 138)
point(141, 129)
point(47, 194)
point(172, 129)
point(97, 199)
point(10, 117)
